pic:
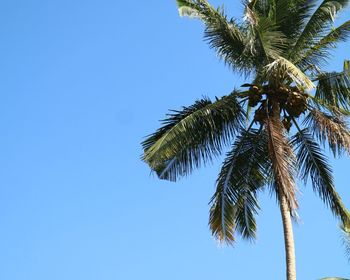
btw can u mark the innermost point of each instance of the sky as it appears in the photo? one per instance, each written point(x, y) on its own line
point(81, 84)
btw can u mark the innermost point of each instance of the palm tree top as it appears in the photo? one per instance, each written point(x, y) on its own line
point(293, 109)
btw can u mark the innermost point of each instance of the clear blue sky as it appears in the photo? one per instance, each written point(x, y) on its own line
point(81, 83)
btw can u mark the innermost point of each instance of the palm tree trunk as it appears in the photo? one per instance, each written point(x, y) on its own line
point(288, 237)
point(286, 219)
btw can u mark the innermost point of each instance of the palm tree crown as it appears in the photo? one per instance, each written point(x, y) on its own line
point(292, 107)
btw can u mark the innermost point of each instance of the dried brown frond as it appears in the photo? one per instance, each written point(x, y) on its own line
point(331, 128)
point(283, 161)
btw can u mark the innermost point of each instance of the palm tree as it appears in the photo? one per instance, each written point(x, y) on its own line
point(277, 123)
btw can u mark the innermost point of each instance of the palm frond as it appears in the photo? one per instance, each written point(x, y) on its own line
point(264, 39)
point(192, 136)
point(269, 43)
point(283, 162)
point(243, 173)
point(290, 16)
point(249, 14)
point(318, 23)
point(253, 176)
point(223, 35)
point(320, 104)
point(245, 210)
point(314, 164)
point(320, 51)
point(329, 128)
point(334, 89)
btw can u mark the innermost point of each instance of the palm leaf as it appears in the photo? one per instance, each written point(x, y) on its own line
point(318, 23)
point(192, 136)
point(331, 129)
point(290, 16)
point(320, 104)
point(223, 35)
point(320, 51)
point(264, 40)
point(334, 89)
point(243, 173)
point(314, 164)
point(251, 175)
point(270, 41)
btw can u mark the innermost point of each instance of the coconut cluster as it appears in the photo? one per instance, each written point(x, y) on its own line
point(291, 99)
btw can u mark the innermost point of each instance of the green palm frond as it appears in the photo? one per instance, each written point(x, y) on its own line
point(329, 128)
point(318, 23)
point(320, 104)
point(243, 173)
point(245, 211)
point(290, 16)
point(283, 163)
point(192, 136)
point(269, 43)
point(264, 39)
point(320, 51)
point(252, 174)
point(314, 164)
point(223, 35)
point(334, 89)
